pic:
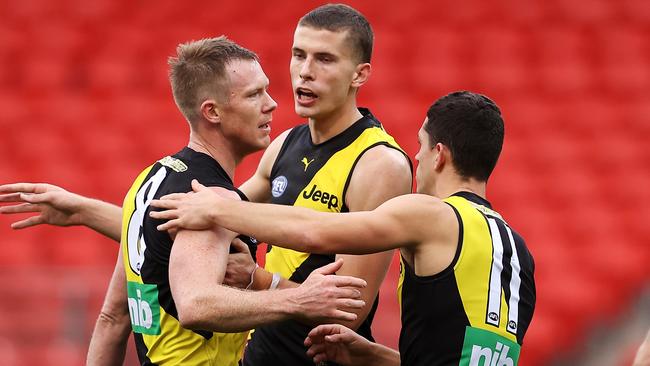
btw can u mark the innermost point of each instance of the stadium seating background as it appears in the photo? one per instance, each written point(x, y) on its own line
point(85, 104)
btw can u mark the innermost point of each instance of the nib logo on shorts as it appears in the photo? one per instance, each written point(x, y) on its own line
point(484, 348)
point(143, 308)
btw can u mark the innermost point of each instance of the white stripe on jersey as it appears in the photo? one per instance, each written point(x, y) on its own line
point(494, 293)
point(515, 282)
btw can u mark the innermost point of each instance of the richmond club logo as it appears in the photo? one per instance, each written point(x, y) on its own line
point(278, 186)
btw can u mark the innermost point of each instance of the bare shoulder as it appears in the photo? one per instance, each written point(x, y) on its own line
point(434, 230)
point(425, 218)
point(380, 174)
point(436, 209)
point(442, 224)
point(386, 159)
point(421, 204)
point(429, 208)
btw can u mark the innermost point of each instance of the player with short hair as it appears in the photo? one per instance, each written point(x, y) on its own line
point(466, 289)
point(340, 160)
point(168, 284)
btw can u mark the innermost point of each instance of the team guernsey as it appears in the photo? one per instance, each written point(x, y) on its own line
point(159, 337)
point(314, 176)
point(476, 311)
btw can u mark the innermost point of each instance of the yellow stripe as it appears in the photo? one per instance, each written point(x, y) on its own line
point(331, 178)
point(177, 345)
point(472, 270)
point(128, 207)
point(180, 346)
point(400, 284)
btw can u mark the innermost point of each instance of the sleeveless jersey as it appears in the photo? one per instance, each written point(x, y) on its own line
point(314, 176)
point(159, 337)
point(478, 309)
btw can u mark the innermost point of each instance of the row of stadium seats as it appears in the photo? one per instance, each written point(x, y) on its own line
point(85, 103)
point(559, 71)
point(446, 12)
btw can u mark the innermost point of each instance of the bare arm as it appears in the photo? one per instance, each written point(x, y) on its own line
point(197, 265)
point(400, 222)
point(108, 342)
point(102, 217)
point(56, 206)
point(196, 269)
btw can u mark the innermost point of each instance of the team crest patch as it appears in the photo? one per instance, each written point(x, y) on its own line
point(278, 186)
point(174, 164)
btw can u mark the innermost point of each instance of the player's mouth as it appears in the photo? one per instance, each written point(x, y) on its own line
point(266, 126)
point(305, 97)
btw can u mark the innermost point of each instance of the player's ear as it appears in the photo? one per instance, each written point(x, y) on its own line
point(361, 74)
point(210, 111)
point(441, 156)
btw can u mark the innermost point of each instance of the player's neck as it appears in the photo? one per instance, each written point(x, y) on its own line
point(219, 151)
point(323, 128)
point(454, 183)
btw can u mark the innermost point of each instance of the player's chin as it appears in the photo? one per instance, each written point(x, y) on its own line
point(263, 142)
point(304, 112)
point(254, 145)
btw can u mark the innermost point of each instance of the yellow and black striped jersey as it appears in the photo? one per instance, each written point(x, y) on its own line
point(314, 176)
point(478, 309)
point(159, 337)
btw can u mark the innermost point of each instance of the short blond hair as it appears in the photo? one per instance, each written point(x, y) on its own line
point(198, 71)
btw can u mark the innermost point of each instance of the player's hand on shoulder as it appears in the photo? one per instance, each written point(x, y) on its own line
point(191, 211)
point(326, 297)
point(53, 205)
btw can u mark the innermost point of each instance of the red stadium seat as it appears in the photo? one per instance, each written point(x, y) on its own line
point(520, 13)
point(501, 59)
point(636, 10)
point(585, 12)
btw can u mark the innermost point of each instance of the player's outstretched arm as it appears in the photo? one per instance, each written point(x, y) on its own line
point(339, 344)
point(108, 343)
point(53, 205)
point(396, 223)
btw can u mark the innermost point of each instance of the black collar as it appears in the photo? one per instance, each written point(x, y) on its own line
point(473, 197)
